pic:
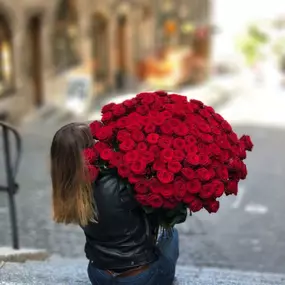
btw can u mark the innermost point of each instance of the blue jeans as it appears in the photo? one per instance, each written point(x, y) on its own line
point(161, 272)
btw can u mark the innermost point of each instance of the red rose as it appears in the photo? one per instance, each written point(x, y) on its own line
point(188, 173)
point(147, 156)
point(197, 102)
point(223, 173)
point(203, 174)
point(92, 173)
point(166, 114)
point(174, 166)
point(165, 141)
point(141, 187)
point(107, 117)
point(155, 186)
point(178, 155)
point(166, 154)
point(191, 149)
point(216, 131)
point(142, 199)
point(94, 127)
point(165, 176)
point(159, 119)
point(131, 156)
point(117, 159)
point(149, 128)
point(106, 154)
point(155, 200)
point(190, 140)
point(209, 109)
point(134, 178)
point(218, 117)
point(232, 187)
point(179, 143)
point(179, 189)
point(205, 113)
point(133, 126)
point(207, 138)
point(143, 109)
point(159, 165)
point(212, 206)
point(155, 150)
point(214, 149)
point(189, 198)
point(207, 191)
point(129, 103)
point(138, 167)
point(204, 159)
point(167, 191)
point(203, 127)
point(107, 107)
point(122, 122)
point(243, 172)
point(137, 136)
point(148, 98)
point(196, 205)
point(161, 93)
point(226, 126)
point(193, 159)
point(142, 146)
point(124, 171)
point(166, 128)
point(89, 155)
point(152, 138)
point(119, 110)
point(194, 186)
point(127, 145)
point(247, 142)
point(99, 146)
point(181, 129)
point(233, 138)
point(219, 188)
point(104, 133)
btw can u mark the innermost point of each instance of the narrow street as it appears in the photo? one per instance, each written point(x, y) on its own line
point(248, 232)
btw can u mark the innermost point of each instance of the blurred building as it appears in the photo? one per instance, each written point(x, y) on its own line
point(119, 43)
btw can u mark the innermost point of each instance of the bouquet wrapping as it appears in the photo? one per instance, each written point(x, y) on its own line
point(177, 156)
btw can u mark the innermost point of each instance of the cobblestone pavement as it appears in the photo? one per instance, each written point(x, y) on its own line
point(69, 272)
point(247, 234)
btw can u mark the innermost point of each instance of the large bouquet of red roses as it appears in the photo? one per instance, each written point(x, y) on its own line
point(176, 154)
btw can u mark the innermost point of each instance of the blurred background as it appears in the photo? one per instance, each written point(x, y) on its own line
point(61, 60)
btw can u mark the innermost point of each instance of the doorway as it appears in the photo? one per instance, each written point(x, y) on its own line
point(121, 52)
point(34, 44)
point(100, 52)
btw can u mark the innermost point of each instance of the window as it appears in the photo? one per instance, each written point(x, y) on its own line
point(6, 57)
point(66, 36)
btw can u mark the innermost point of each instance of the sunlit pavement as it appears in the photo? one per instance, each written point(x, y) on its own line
point(248, 232)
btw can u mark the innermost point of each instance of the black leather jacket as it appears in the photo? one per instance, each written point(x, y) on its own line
point(123, 238)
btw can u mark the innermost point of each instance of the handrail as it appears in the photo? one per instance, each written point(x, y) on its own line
point(11, 172)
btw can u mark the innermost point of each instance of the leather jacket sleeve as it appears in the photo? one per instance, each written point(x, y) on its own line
point(124, 234)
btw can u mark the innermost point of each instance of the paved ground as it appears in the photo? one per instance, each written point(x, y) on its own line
point(71, 272)
point(247, 234)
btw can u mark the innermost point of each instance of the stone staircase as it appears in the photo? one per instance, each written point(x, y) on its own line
point(68, 272)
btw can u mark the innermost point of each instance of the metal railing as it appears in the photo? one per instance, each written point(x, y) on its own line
point(11, 169)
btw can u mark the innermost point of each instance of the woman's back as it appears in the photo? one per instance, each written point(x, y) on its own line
point(123, 236)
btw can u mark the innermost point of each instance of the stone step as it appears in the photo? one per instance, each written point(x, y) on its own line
point(68, 272)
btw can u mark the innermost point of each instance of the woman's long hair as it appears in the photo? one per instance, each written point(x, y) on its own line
point(72, 194)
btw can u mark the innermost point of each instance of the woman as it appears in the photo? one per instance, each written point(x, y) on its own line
point(120, 238)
